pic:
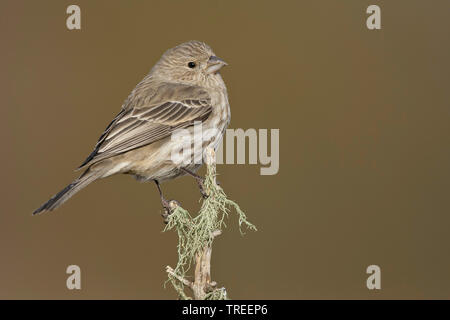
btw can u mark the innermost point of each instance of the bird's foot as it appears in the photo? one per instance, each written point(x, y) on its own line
point(201, 186)
point(169, 207)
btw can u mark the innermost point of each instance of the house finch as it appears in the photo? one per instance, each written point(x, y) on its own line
point(182, 89)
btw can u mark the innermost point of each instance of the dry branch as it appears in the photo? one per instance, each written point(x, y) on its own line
point(196, 236)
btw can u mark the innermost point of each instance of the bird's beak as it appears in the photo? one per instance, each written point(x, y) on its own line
point(215, 64)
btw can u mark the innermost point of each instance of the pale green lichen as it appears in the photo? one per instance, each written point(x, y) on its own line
point(194, 233)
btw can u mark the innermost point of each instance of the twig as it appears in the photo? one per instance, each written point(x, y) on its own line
point(196, 236)
point(186, 282)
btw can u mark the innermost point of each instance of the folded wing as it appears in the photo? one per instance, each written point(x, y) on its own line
point(146, 118)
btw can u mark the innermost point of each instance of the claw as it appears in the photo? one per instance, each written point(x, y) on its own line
point(169, 207)
point(204, 194)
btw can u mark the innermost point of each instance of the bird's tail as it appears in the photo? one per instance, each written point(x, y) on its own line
point(58, 199)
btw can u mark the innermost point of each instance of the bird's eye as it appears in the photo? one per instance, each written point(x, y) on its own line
point(191, 65)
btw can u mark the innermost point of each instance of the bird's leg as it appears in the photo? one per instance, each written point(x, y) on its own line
point(168, 206)
point(200, 180)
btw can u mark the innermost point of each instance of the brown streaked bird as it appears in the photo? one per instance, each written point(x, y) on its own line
point(184, 88)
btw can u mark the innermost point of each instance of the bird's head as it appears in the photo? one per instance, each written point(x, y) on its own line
point(192, 63)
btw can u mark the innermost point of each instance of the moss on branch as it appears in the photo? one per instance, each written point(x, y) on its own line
point(196, 235)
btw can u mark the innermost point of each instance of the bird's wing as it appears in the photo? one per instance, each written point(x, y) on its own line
point(147, 117)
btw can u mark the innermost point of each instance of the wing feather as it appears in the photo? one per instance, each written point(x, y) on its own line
point(141, 125)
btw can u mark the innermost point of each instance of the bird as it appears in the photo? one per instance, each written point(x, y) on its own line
point(184, 89)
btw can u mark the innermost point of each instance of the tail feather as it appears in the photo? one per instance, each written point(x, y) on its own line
point(64, 195)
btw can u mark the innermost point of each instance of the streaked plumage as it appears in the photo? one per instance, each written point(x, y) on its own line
point(172, 96)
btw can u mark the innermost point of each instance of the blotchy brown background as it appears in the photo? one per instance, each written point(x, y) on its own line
point(364, 147)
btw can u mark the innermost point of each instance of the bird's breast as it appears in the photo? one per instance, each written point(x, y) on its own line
point(218, 121)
